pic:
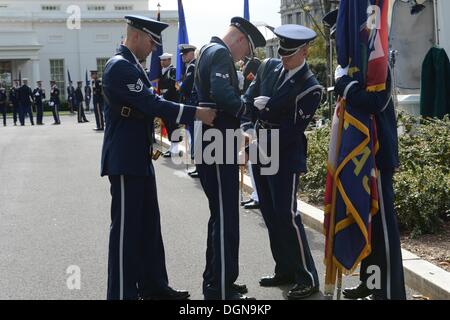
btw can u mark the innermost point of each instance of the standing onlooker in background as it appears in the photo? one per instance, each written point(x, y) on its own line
point(39, 97)
point(25, 100)
point(98, 101)
point(3, 103)
point(79, 102)
point(87, 95)
point(14, 98)
point(55, 102)
point(187, 96)
point(249, 71)
point(71, 97)
point(167, 85)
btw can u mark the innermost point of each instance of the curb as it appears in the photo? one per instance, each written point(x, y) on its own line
point(420, 275)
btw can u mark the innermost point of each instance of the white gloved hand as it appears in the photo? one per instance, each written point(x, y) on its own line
point(340, 72)
point(261, 102)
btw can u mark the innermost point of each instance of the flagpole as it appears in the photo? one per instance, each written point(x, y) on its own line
point(330, 272)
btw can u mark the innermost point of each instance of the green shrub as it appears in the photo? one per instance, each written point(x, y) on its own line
point(312, 184)
point(319, 68)
point(422, 186)
point(422, 199)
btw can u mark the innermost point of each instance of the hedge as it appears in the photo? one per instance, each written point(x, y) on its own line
point(422, 185)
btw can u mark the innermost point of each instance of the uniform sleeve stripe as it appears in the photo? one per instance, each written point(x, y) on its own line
point(180, 113)
point(347, 89)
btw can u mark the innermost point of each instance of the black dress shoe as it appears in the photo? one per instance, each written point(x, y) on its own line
point(301, 291)
point(167, 154)
point(193, 174)
point(276, 280)
point(239, 296)
point(361, 291)
point(239, 288)
point(169, 294)
point(252, 205)
point(243, 203)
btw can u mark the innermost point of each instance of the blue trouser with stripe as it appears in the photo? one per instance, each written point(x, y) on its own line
point(39, 112)
point(136, 262)
point(16, 112)
point(386, 250)
point(98, 111)
point(288, 243)
point(221, 185)
point(25, 110)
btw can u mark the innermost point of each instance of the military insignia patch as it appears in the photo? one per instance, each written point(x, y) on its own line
point(136, 87)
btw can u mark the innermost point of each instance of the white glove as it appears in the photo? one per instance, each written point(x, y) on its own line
point(340, 72)
point(51, 104)
point(261, 102)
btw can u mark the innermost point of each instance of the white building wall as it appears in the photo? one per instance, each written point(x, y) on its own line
point(30, 37)
point(444, 24)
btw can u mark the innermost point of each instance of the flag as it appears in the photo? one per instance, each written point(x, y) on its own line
point(246, 10)
point(351, 195)
point(182, 39)
point(68, 76)
point(87, 79)
point(155, 64)
point(20, 78)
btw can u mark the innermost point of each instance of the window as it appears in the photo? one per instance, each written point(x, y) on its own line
point(101, 62)
point(5, 73)
point(47, 7)
point(299, 18)
point(121, 7)
point(95, 7)
point(289, 18)
point(57, 74)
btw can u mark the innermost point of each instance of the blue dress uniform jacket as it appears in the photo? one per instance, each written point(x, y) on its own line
point(386, 250)
point(290, 109)
point(136, 262)
point(126, 146)
point(293, 102)
point(216, 83)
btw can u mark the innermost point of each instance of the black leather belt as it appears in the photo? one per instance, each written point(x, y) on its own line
point(260, 124)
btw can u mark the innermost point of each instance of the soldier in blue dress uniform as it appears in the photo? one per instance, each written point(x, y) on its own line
point(217, 85)
point(78, 102)
point(3, 98)
point(14, 99)
point(71, 97)
point(285, 96)
point(97, 95)
point(386, 249)
point(25, 101)
point(54, 102)
point(187, 51)
point(136, 264)
point(87, 95)
point(39, 97)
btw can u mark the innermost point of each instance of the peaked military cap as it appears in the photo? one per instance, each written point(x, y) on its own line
point(185, 48)
point(152, 27)
point(254, 36)
point(165, 56)
point(330, 20)
point(292, 37)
